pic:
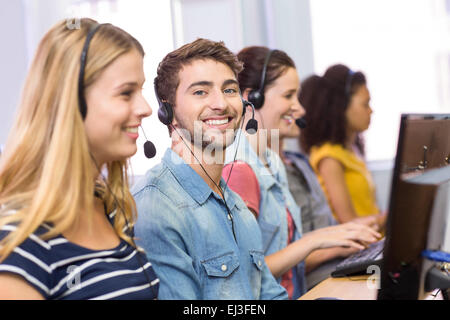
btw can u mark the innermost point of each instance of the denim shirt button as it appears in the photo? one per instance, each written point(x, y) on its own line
point(259, 263)
point(224, 267)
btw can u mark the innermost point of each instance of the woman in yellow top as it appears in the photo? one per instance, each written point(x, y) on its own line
point(337, 111)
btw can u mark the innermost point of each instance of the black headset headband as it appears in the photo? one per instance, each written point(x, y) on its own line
point(81, 100)
point(264, 71)
point(348, 82)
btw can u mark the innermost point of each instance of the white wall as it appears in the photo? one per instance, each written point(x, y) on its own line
point(210, 19)
point(290, 30)
point(278, 24)
point(12, 61)
point(22, 25)
point(40, 16)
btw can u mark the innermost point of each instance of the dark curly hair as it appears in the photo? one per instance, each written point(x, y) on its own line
point(326, 100)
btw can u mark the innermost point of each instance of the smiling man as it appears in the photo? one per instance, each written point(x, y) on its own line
point(199, 235)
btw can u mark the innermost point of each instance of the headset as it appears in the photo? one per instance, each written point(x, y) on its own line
point(166, 115)
point(348, 82)
point(165, 112)
point(149, 147)
point(81, 100)
point(83, 111)
point(256, 97)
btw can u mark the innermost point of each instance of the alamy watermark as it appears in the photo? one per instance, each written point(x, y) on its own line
point(74, 279)
point(373, 281)
point(73, 23)
point(219, 147)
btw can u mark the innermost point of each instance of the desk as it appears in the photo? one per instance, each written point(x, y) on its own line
point(351, 288)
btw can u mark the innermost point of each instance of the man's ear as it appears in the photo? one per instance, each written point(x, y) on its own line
point(245, 93)
point(175, 122)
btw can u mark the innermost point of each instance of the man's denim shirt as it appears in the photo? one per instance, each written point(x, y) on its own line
point(184, 227)
point(275, 198)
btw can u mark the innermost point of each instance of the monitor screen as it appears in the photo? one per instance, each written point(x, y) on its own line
point(421, 168)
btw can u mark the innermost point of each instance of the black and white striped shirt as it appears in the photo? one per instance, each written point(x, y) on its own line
point(60, 269)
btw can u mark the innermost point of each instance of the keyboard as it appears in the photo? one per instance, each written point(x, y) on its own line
point(358, 262)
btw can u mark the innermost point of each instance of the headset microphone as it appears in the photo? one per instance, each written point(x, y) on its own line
point(149, 147)
point(301, 122)
point(252, 124)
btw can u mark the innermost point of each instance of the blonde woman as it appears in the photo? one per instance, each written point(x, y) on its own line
point(64, 226)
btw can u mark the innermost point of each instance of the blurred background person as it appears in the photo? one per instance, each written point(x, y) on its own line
point(338, 110)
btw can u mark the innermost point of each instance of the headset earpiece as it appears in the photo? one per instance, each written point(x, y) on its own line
point(256, 97)
point(165, 113)
point(252, 124)
point(165, 110)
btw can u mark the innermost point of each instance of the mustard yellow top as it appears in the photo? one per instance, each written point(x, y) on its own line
point(357, 177)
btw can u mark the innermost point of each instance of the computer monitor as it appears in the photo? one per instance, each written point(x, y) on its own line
point(418, 204)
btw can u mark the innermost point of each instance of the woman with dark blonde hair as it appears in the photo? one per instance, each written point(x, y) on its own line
point(65, 229)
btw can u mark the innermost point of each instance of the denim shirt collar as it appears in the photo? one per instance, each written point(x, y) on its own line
point(245, 152)
point(268, 179)
point(192, 182)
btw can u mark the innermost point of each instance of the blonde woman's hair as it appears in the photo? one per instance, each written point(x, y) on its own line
point(46, 170)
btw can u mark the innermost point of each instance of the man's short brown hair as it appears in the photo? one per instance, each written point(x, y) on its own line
point(167, 80)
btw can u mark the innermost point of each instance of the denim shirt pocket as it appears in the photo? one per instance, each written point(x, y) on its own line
point(258, 259)
point(222, 280)
point(221, 266)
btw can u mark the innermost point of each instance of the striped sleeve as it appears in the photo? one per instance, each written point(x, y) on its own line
point(29, 260)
